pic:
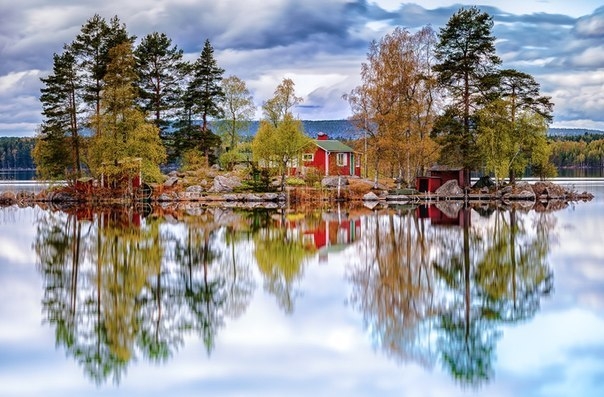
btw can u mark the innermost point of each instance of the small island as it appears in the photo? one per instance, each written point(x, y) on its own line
point(116, 122)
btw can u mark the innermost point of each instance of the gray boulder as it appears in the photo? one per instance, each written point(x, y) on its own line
point(334, 181)
point(231, 197)
point(450, 208)
point(7, 198)
point(225, 184)
point(171, 181)
point(194, 189)
point(370, 197)
point(450, 188)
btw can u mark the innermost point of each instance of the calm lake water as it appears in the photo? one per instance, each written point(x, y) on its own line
point(413, 301)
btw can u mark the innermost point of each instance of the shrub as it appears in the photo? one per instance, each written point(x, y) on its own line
point(193, 159)
point(293, 181)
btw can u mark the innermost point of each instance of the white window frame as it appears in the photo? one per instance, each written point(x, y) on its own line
point(308, 157)
point(342, 159)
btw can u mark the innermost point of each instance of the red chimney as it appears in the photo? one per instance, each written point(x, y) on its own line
point(321, 136)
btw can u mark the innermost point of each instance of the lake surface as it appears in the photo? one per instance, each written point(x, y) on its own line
point(409, 300)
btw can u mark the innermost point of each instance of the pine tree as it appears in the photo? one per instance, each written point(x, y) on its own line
point(522, 92)
point(159, 69)
point(467, 64)
point(202, 99)
point(91, 49)
point(58, 146)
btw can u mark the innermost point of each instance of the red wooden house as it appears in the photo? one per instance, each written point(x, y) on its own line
point(332, 157)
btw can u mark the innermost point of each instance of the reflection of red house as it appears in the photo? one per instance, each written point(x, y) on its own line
point(333, 233)
point(332, 157)
point(438, 217)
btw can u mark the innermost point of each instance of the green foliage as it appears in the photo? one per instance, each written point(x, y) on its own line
point(509, 146)
point(582, 153)
point(228, 159)
point(258, 181)
point(60, 127)
point(200, 101)
point(522, 91)
point(121, 130)
point(294, 181)
point(467, 61)
point(280, 140)
point(280, 105)
point(159, 68)
point(281, 145)
point(52, 157)
point(238, 109)
point(91, 48)
point(280, 259)
point(496, 140)
point(192, 160)
point(16, 153)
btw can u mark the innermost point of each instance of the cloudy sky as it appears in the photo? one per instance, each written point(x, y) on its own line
point(319, 44)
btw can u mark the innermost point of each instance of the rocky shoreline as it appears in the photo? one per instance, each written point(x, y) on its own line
point(450, 191)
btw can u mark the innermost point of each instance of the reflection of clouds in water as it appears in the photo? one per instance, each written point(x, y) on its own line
point(554, 354)
point(322, 348)
point(19, 281)
point(16, 234)
point(578, 257)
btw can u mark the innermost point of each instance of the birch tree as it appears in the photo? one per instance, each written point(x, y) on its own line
point(395, 104)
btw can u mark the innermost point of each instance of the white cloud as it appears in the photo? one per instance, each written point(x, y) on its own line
point(590, 57)
point(322, 43)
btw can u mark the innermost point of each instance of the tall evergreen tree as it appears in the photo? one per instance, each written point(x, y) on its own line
point(58, 143)
point(91, 48)
point(205, 86)
point(202, 99)
point(466, 65)
point(159, 69)
point(522, 91)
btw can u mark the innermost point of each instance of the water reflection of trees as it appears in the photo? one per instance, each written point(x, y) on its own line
point(117, 286)
point(435, 285)
point(438, 288)
point(280, 253)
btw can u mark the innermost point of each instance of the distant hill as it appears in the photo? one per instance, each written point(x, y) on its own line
point(344, 129)
point(568, 132)
point(335, 129)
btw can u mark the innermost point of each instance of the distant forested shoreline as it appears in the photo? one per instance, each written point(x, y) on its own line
point(572, 147)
